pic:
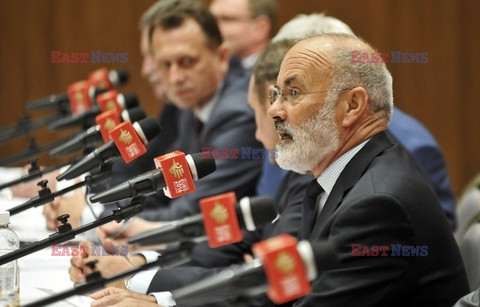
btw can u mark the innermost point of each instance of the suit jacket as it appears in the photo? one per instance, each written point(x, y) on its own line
point(421, 144)
point(208, 261)
point(231, 125)
point(382, 199)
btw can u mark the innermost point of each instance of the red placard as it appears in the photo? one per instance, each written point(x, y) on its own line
point(108, 101)
point(107, 121)
point(220, 219)
point(99, 79)
point(176, 172)
point(127, 142)
point(285, 270)
point(78, 97)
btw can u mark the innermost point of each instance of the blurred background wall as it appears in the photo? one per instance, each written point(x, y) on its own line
point(440, 93)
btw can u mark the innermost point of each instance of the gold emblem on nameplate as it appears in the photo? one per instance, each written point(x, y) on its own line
point(285, 263)
point(176, 169)
point(219, 213)
point(111, 105)
point(109, 124)
point(125, 137)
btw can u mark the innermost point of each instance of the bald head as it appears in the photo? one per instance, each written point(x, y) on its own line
point(332, 55)
point(325, 103)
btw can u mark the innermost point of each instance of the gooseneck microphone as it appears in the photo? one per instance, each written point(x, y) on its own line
point(87, 118)
point(154, 181)
point(251, 213)
point(251, 279)
point(116, 77)
point(92, 137)
point(145, 130)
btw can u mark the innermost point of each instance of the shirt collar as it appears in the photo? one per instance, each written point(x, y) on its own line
point(205, 112)
point(248, 62)
point(329, 176)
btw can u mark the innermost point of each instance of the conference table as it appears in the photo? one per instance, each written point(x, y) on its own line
point(42, 273)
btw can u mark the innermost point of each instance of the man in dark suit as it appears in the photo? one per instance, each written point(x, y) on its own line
point(210, 96)
point(331, 115)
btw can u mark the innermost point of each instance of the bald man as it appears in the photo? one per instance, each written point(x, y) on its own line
point(372, 200)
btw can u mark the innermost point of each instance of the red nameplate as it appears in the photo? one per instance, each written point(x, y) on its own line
point(108, 101)
point(220, 219)
point(285, 270)
point(99, 79)
point(107, 121)
point(78, 96)
point(127, 142)
point(176, 172)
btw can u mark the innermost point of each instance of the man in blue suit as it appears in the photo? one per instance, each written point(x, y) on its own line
point(422, 145)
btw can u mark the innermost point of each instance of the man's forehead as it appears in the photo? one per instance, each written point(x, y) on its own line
point(187, 34)
point(300, 65)
point(229, 7)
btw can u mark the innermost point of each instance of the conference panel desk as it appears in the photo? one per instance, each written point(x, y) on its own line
point(41, 273)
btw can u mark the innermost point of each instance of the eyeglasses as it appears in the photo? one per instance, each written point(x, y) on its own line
point(291, 94)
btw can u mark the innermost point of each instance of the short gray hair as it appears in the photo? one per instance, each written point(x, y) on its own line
point(373, 77)
point(303, 26)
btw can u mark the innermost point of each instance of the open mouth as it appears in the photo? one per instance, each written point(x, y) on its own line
point(283, 135)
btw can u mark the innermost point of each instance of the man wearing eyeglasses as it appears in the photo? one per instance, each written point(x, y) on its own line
point(331, 116)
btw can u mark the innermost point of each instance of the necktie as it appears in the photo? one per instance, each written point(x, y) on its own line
point(198, 127)
point(308, 208)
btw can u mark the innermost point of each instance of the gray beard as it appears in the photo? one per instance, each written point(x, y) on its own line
point(311, 141)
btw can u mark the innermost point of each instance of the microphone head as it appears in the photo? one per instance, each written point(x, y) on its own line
point(204, 165)
point(91, 137)
point(130, 100)
point(256, 211)
point(52, 101)
point(97, 91)
point(86, 118)
point(150, 127)
point(118, 76)
point(133, 115)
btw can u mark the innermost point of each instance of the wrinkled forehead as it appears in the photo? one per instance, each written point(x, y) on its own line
point(305, 63)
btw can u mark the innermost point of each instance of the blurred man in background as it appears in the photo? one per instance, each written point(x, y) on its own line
point(246, 26)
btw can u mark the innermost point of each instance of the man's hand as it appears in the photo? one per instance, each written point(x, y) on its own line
point(113, 259)
point(30, 189)
point(77, 262)
point(72, 205)
point(119, 233)
point(121, 297)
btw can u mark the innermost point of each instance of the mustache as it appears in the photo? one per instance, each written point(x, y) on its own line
point(283, 127)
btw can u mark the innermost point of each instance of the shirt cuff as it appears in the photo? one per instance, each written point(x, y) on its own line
point(164, 298)
point(150, 256)
point(140, 282)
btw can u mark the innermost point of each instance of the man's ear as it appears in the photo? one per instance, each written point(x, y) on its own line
point(354, 105)
point(223, 52)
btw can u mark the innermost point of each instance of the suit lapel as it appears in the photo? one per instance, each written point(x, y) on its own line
point(349, 176)
point(235, 72)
